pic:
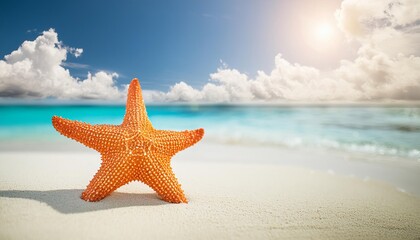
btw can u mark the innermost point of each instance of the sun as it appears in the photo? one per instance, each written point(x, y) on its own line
point(323, 31)
point(321, 36)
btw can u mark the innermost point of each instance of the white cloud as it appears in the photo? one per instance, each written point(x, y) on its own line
point(74, 65)
point(35, 70)
point(77, 52)
point(388, 25)
point(373, 75)
point(387, 66)
point(31, 30)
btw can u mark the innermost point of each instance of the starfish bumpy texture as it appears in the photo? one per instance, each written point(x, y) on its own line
point(132, 151)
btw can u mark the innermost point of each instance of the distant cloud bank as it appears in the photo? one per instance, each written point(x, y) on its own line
point(387, 67)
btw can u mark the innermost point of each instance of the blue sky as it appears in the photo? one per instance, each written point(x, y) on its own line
point(163, 42)
point(270, 50)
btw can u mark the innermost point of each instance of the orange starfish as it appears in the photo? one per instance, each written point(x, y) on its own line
point(132, 151)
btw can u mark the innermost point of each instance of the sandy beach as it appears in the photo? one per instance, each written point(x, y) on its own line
point(235, 192)
point(279, 119)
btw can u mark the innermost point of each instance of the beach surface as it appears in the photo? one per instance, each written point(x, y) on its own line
point(234, 192)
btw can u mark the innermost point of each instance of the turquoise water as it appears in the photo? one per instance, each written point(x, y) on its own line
point(393, 131)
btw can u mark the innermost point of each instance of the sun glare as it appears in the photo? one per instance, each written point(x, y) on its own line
point(323, 31)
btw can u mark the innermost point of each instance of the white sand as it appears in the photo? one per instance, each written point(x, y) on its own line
point(39, 199)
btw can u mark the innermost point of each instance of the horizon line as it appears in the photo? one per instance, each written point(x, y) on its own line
point(90, 102)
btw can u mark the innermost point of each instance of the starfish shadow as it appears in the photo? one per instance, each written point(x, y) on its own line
point(68, 201)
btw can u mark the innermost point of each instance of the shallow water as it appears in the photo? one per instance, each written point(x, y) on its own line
point(388, 131)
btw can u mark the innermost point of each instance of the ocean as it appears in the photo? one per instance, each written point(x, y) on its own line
point(373, 130)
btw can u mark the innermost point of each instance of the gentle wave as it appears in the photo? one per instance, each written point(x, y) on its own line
point(390, 127)
point(391, 131)
point(299, 142)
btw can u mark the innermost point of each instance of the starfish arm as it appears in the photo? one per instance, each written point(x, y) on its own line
point(98, 137)
point(136, 115)
point(160, 177)
point(172, 142)
point(110, 176)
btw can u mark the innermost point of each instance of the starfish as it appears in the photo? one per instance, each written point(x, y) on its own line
point(132, 151)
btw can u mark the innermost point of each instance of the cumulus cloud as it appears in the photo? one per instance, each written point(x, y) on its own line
point(36, 70)
point(388, 25)
point(387, 66)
